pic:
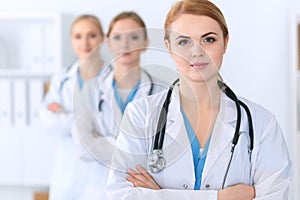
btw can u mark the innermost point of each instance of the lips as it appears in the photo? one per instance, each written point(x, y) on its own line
point(86, 50)
point(124, 53)
point(199, 65)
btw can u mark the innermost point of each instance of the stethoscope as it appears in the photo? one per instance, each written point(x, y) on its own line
point(149, 92)
point(156, 160)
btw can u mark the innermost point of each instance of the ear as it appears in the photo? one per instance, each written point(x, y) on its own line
point(168, 46)
point(102, 39)
point(226, 43)
point(146, 44)
point(108, 42)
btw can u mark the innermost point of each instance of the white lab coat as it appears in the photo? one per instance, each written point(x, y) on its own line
point(105, 121)
point(73, 178)
point(64, 181)
point(269, 168)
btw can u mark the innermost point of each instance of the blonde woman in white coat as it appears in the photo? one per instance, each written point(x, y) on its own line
point(200, 126)
point(57, 113)
point(123, 80)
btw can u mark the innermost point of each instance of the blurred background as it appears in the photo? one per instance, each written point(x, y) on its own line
point(261, 64)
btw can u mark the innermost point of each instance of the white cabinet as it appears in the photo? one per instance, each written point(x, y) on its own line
point(32, 48)
point(35, 41)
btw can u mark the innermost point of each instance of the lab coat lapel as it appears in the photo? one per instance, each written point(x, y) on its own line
point(145, 86)
point(177, 149)
point(107, 96)
point(175, 124)
point(222, 133)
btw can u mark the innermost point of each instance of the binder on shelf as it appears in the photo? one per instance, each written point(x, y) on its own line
point(5, 103)
point(36, 51)
point(20, 114)
point(35, 96)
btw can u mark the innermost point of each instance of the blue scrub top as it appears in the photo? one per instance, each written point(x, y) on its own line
point(131, 96)
point(199, 159)
point(80, 79)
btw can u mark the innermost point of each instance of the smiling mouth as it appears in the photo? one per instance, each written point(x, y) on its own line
point(125, 54)
point(87, 50)
point(199, 65)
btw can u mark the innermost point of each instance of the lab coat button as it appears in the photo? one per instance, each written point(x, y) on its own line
point(207, 185)
point(185, 186)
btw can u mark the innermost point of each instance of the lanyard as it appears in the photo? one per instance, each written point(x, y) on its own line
point(131, 95)
point(199, 159)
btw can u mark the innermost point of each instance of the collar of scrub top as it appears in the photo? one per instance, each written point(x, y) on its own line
point(130, 97)
point(105, 84)
point(227, 115)
point(198, 157)
point(80, 80)
point(225, 122)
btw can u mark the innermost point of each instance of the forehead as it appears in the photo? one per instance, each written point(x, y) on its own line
point(124, 25)
point(193, 25)
point(84, 25)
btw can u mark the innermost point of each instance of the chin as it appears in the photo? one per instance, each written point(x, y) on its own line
point(198, 77)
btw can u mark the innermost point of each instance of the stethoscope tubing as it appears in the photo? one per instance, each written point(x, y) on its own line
point(160, 131)
point(161, 128)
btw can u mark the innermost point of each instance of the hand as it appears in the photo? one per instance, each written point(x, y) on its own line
point(237, 192)
point(141, 178)
point(95, 134)
point(54, 107)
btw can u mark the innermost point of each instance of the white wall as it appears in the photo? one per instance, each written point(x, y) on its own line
point(257, 64)
point(257, 61)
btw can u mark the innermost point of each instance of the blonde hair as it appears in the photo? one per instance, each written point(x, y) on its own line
point(195, 7)
point(127, 15)
point(92, 18)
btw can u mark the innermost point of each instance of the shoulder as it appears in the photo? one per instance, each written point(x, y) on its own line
point(264, 121)
point(257, 110)
point(157, 84)
point(148, 102)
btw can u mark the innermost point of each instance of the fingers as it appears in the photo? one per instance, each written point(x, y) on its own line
point(136, 182)
point(143, 171)
point(141, 178)
point(95, 134)
point(54, 107)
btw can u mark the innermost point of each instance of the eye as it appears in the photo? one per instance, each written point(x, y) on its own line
point(92, 35)
point(208, 40)
point(184, 42)
point(134, 37)
point(116, 37)
point(77, 36)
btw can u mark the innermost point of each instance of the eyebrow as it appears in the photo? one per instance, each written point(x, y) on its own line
point(187, 37)
point(183, 36)
point(209, 33)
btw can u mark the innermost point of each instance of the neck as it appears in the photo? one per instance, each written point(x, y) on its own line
point(126, 77)
point(206, 95)
point(201, 103)
point(89, 68)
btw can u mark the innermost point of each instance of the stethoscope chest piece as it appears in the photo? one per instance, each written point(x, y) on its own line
point(156, 161)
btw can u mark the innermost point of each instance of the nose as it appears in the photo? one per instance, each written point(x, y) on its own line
point(124, 43)
point(197, 50)
point(85, 41)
